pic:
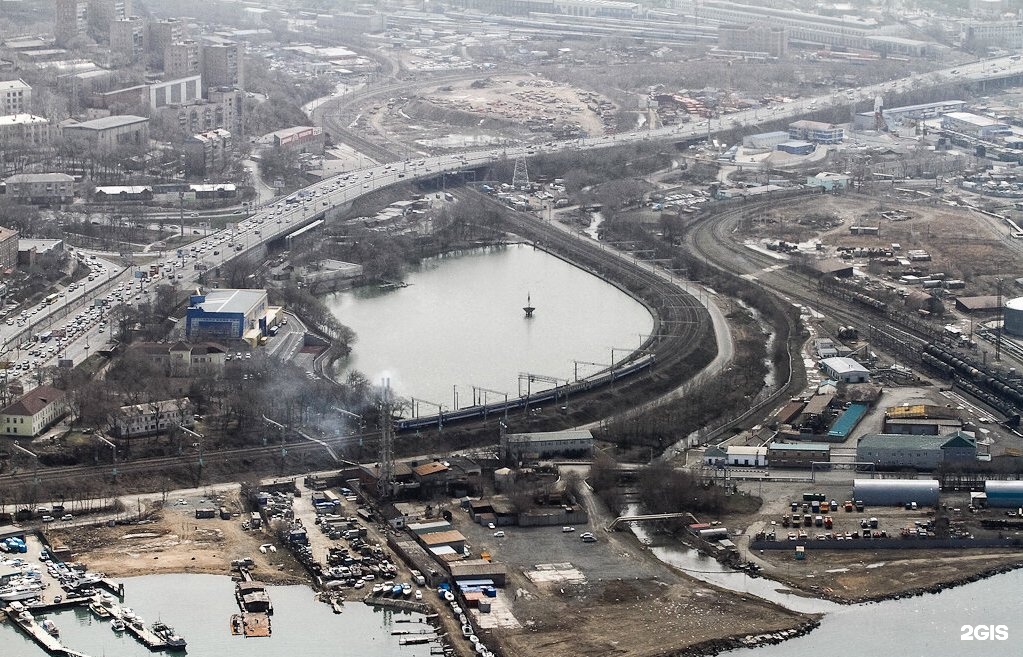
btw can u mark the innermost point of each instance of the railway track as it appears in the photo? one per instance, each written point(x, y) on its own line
point(712, 239)
point(190, 460)
point(682, 324)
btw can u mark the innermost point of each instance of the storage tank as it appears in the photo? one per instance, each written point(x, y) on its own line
point(890, 492)
point(1014, 316)
point(1004, 494)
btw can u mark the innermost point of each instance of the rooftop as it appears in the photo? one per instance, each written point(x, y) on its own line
point(34, 401)
point(22, 119)
point(441, 538)
point(230, 301)
point(842, 365)
point(907, 441)
point(39, 178)
point(974, 119)
point(801, 447)
point(570, 434)
point(428, 469)
point(14, 85)
point(108, 122)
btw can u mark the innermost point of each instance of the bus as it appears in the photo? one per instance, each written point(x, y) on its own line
point(44, 336)
point(51, 299)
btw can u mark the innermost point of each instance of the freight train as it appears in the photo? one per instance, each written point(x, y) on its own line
point(990, 387)
point(536, 399)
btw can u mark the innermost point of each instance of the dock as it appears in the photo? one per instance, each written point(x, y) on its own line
point(250, 625)
point(397, 603)
point(43, 607)
point(44, 639)
point(255, 607)
point(137, 628)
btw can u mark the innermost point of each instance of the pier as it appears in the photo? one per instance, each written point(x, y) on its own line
point(137, 628)
point(397, 603)
point(44, 639)
point(255, 606)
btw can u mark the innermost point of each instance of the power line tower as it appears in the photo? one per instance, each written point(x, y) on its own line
point(385, 480)
point(520, 177)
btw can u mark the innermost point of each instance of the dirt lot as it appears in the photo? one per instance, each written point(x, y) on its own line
point(175, 542)
point(486, 110)
point(852, 576)
point(611, 597)
point(962, 243)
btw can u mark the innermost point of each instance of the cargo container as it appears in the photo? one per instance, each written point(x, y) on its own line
point(810, 497)
point(255, 520)
point(203, 513)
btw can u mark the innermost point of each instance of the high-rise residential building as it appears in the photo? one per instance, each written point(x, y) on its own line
point(93, 17)
point(70, 20)
point(8, 249)
point(161, 35)
point(15, 97)
point(181, 59)
point(222, 63)
point(128, 38)
point(102, 13)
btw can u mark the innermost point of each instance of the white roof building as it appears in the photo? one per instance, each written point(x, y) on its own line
point(847, 370)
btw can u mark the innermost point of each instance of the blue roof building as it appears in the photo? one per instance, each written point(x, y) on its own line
point(226, 314)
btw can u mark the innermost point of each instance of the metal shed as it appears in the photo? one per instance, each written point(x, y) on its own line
point(888, 492)
point(1004, 494)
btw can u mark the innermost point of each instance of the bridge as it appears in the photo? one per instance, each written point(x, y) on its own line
point(649, 516)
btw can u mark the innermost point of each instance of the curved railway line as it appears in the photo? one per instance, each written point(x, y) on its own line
point(711, 237)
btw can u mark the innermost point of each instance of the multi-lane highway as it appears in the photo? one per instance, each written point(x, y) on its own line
point(274, 220)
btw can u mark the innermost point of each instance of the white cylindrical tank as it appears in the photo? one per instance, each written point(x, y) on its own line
point(1014, 316)
point(1004, 494)
point(889, 492)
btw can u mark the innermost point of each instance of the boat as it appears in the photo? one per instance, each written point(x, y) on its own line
point(117, 625)
point(166, 632)
point(50, 627)
point(406, 590)
point(467, 631)
point(528, 308)
point(378, 589)
point(396, 590)
point(449, 596)
point(20, 592)
point(98, 610)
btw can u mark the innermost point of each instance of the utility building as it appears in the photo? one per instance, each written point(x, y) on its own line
point(845, 370)
point(918, 452)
